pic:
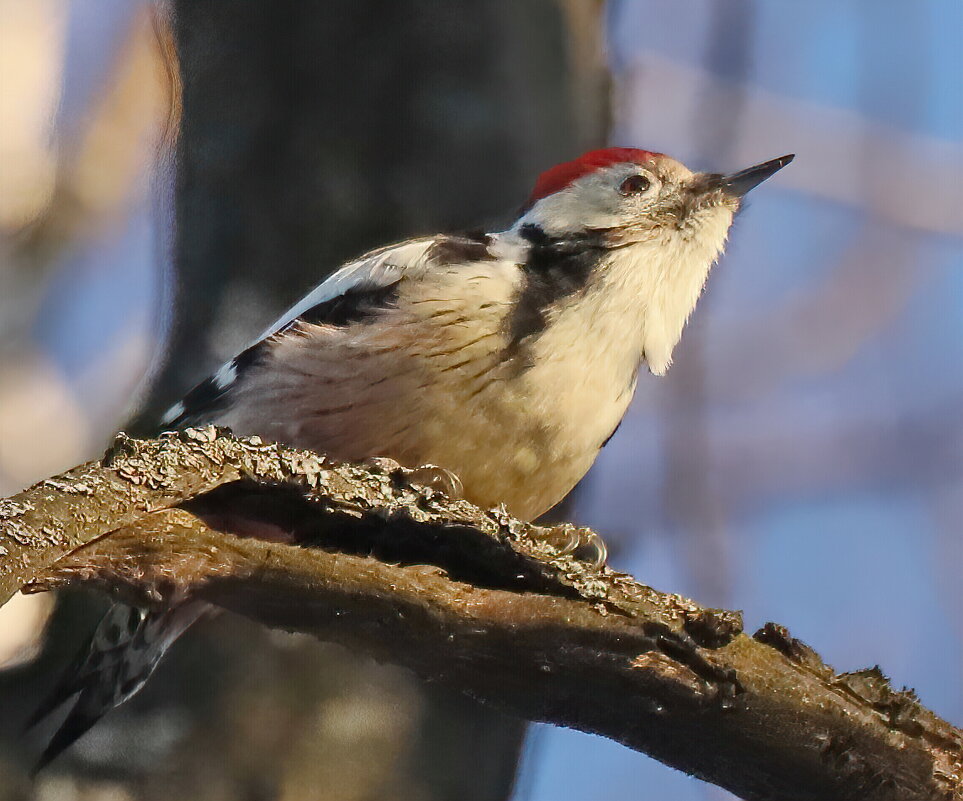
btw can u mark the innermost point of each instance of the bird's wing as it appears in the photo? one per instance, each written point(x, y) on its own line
point(348, 295)
point(377, 270)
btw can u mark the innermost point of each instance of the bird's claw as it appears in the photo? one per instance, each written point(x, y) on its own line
point(438, 479)
point(581, 543)
point(591, 548)
point(428, 475)
point(383, 464)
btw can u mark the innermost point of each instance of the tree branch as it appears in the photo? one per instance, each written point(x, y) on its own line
point(472, 598)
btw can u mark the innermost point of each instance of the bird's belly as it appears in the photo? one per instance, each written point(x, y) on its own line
point(503, 455)
point(510, 444)
point(509, 439)
point(496, 441)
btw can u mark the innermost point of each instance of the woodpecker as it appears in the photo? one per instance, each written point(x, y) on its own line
point(506, 358)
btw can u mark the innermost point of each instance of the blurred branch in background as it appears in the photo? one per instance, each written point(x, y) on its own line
point(900, 191)
point(839, 147)
point(64, 190)
point(70, 191)
point(694, 508)
point(501, 613)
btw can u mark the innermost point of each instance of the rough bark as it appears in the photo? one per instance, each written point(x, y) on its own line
point(499, 609)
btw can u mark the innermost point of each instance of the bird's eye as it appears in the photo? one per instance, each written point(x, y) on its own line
point(634, 185)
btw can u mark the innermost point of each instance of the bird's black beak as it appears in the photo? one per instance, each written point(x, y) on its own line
point(739, 183)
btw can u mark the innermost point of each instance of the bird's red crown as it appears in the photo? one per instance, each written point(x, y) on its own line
point(561, 175)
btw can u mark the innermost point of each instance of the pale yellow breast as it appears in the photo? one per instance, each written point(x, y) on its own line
point(425, 385)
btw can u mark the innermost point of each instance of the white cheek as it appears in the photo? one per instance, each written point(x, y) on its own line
point(591, 202)
point(563, 214)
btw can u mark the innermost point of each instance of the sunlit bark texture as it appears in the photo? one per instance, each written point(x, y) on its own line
point(489, 606)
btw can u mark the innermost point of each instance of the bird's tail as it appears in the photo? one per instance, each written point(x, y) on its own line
point(123, 651)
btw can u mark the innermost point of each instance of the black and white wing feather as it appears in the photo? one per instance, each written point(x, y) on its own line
point(348, 295)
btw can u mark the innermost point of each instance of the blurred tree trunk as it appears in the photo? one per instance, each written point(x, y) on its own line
point(312, 131)
point(309, 133)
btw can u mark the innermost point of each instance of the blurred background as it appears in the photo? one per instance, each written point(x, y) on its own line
point(172, 176)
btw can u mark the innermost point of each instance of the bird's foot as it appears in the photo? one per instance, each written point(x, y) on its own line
point(431, 476)
point(437, 478)
point(581, 543)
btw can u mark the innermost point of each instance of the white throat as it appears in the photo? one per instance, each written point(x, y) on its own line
point(663, 279)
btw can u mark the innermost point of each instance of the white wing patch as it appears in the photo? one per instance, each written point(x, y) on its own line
point(379, 268)
point(173, 413)
point(226, 376)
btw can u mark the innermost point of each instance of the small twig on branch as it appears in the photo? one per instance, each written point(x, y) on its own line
point(482, 602)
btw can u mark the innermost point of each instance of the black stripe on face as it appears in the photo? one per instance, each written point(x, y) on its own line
point(555, 269)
